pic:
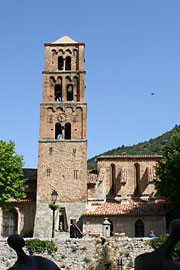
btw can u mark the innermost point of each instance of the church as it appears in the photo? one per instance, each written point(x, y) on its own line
point(121, 190)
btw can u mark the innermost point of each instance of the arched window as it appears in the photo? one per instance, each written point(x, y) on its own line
point(67, 131)
point(113, 179)
point(60, 62)
point(9, 224)
point(57, 92)
point(139, 228)
point(68, 63)
point(137, 178)
point(53, 52)
point(69, 92)
point(58, 131)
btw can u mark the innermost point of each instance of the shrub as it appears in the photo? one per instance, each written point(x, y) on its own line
point(74, 249)
point(87, 260)
point(39, 246)
point(83, 248)
point(98, 241)
point(158, 241)
point(53, 206)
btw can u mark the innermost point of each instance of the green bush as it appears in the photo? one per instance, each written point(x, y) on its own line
point(158, 241)
point(74, 249)
point(39, 246)
point(87, 260)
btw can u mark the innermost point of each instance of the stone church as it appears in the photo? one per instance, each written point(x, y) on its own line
point(121, 190)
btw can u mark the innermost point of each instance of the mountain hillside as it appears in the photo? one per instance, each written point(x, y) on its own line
point(151, 147)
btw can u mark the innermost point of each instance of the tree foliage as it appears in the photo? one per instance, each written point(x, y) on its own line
point(11, 175)
point(167, 180)
point(157, 242)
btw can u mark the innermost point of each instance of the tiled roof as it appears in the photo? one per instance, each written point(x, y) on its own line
point(128, 209)
point(64, 40)
point(131, 156)
point(22, 200)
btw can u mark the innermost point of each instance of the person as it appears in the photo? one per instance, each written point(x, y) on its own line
point(152, 235)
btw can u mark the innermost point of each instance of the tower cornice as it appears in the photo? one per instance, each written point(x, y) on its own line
point(62, 141)
point(63, 71)
point(64, 44)
point(63, 103)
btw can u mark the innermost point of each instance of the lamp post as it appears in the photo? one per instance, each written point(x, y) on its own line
point(54, 196)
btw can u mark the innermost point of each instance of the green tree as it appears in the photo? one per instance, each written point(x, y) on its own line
point(11, 175)
point(167, 180)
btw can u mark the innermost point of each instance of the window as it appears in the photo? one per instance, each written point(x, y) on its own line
point(57, 92)
point(53, 52)
point(60, 62)
point(113, 179)
point(69, 92)
point(75, 174)
point(48, 172)
point(58, 131)
point(139, 228)
point(50, 119)
point(67, 131)
point(137, 178)
point(68, 63)
point(74, 152)
point(50, 150)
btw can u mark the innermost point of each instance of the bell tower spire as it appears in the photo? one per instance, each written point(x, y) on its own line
point(62, 163)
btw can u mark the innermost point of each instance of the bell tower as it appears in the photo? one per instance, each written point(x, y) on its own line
point(62, 160)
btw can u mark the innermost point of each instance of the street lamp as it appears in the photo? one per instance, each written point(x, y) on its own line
point(54, 196)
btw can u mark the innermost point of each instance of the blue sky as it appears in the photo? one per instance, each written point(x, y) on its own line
point(132, 50)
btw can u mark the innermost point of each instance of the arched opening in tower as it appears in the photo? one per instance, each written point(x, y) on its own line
point(58, 92)
point(68, 63)
point(67, 131)
point(58, 131)
point(60, 62)
point(69, 92)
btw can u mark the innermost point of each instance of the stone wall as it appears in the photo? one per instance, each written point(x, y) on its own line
point(67, 157)
point(88, 253)
point(43, 221)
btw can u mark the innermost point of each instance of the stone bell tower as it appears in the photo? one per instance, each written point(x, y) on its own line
point(62, 160)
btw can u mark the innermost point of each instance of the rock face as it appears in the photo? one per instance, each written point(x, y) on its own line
point(87, 253)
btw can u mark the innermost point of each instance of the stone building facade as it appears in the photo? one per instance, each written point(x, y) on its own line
point(121, 189)
point(124, 193)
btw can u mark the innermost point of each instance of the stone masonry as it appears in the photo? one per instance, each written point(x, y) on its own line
point(88, 253)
